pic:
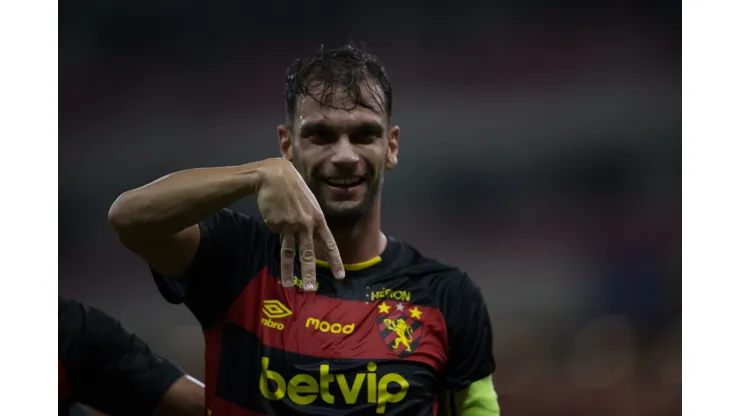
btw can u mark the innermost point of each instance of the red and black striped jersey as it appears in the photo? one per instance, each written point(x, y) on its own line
point(391, 338)
point(106, 367)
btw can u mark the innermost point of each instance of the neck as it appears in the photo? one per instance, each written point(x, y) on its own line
point(359, 242)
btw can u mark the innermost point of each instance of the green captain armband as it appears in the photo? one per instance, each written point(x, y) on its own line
point(478, 399)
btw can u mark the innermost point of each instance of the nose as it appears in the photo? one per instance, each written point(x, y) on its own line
point(345, 156)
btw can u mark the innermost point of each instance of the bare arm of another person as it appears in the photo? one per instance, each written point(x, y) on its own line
point(159, 221)
point(185, 397)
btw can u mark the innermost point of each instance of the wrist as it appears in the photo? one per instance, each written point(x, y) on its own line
point(254, 174)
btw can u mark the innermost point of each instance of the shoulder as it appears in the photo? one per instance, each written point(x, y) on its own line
point(442, 278)
point(226, 220)
point(71, 316)
point(450, 289)
point(230, 232)
point(455, 290)
point(81, 325)
point(69, 307)
point(83, 332)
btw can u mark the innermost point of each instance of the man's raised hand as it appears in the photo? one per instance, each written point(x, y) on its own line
point(290, 209)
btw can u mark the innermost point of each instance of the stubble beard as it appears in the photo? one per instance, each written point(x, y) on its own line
point(341, 214)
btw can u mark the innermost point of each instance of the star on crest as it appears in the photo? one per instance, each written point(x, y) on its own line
point(415, 313)
point(384, 308)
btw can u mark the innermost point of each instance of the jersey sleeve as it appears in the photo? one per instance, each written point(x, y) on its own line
point(470, 337)
point(231, 252)
point(107, 367)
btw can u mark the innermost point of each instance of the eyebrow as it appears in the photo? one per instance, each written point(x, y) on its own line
point(365, 127)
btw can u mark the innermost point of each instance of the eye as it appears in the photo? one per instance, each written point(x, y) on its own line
point(366, 135)
point(322, 137)
point(364, 139)
point(318, 134)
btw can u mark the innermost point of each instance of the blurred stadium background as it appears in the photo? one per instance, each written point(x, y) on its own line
point(540, 151)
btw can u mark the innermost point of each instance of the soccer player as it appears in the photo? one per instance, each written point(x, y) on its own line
point(292, 327)
point(111, 370)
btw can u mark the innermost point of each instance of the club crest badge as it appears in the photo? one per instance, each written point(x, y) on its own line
point(400, 330)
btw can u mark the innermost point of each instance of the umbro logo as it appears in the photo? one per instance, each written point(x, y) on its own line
point(274, 309)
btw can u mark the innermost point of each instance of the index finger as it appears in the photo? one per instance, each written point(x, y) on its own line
point(287, 256)
point(332, 251)
point(308, 260)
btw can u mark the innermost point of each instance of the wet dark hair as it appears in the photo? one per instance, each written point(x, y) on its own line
point(343, 70)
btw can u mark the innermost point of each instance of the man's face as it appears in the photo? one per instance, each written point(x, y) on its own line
point(341, 154)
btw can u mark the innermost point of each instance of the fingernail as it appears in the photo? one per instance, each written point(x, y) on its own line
point(288, 283)
point(309, 286)
point(340, 274)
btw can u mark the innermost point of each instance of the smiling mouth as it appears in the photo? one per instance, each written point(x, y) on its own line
point(346, 183)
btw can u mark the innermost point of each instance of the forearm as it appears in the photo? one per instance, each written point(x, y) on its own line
point(179, 200)
point(185, 397)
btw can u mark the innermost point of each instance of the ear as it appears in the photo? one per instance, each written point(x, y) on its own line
point(285, 141)
point(392, 153)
